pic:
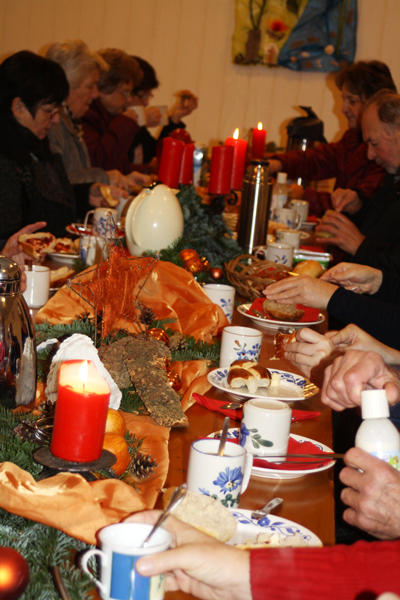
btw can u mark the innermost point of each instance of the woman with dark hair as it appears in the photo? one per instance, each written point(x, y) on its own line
point(357, 178)
point(33, 181)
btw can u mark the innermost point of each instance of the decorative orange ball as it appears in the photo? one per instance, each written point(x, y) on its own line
point(117, 445)
point(115, 422)
point(188, 254)
point(14, 574)
point(159, 334)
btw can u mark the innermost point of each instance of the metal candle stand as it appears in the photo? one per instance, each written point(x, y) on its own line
point(218, 202)
point(56, 465)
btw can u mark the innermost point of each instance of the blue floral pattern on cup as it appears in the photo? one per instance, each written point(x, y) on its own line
point(227, 481)
point(227, 307)
point(250, 353)
point(256, 438)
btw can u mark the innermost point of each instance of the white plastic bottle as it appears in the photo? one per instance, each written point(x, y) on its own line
point(376, 434)
point(280, 192)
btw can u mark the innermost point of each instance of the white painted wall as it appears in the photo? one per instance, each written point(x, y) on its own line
point(189, 44)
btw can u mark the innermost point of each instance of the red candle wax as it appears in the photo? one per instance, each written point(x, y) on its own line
point(239, 160)
point(220, 170)
point(259, 136)
point(81, 412)
point(170, 162)
point(186, 172)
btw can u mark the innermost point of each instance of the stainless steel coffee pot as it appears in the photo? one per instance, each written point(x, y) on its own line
point(17, 339)
point(254, 209)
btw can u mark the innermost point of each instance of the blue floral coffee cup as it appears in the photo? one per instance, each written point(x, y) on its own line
point(265, 427)
point(239, 342)
point(223, 295)
point(120, 549)
point(223, 477)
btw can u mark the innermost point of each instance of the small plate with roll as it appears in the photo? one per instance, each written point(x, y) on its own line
point(275, 324)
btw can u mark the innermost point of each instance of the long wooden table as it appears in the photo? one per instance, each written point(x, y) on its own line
point(308, 500)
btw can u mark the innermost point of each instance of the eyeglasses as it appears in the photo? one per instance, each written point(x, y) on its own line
point(126, 95)
point(145, 95)
point(52, 112)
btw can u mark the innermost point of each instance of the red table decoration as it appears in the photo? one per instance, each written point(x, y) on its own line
point(220, 170)
point(239, 160)
point(81, 412)
point(259, 136)
point(186, 171)
point(170, 163)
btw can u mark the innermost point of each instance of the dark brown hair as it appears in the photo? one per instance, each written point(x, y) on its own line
point(365, 78)
point(123, 69)
point(388, 107)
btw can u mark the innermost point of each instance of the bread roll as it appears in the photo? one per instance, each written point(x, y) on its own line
point(106, 193)
point(244, 372)
point(36, 244)
point(309, 267)
point(279, 340)
point(282, 312)
point(273, 226)
point(238, 378)
point(324, 234)
point(59, 277)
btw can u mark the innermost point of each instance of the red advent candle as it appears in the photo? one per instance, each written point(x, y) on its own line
point(170, 162)
point(259, 136)
point(220, 170)
point(186, 172)
point(81, 412)
point(239, 160)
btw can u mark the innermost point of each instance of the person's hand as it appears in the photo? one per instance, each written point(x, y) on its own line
point(139, 178)
point(153, 116)
point(183, 106)
point(346, 200)
point(353, 372)
point(302, 289)
point(13, 250)
point(311, 352)
point(346, 235)
point(97, 199)
point(295, 191)
point(275, 165)
point(357, 278)
point(124, 182)
point(373, 494)
point(197, 564)
point(354, 338)
point(131, 114)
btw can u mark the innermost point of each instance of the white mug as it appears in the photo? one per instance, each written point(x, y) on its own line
point(287, 216)
point(280, 253)
point(164, 115)
point(265, 427)
point(37, 286)
point(223, 477)
point(302, 207)
point(93, 249)
point(223, 295)
point(239, 342)
point(120, 549)
point(141, 115)
point(287, 236)
point(104, 221)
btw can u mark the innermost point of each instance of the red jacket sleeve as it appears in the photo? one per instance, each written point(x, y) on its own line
point(345, 572)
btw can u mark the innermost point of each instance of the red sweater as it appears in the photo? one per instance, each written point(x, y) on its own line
point(109, 139)
point(364, 570)
point(346, 160)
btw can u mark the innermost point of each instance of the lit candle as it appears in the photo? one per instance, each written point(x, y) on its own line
point(81, 412)
point(170, 162)
point(259, 136)
point(220, 170)
point(186, 172)
point(239, 160)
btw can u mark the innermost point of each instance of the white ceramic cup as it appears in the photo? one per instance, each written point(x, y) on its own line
point(37, 286)
point(93, 249)
point(104, 221)
point(287, 216)
point(223, 295)
point(164, 115)
point(302, 207)
point(224, 477)
point(280, 253)
point(120, 549)
point(265, 427)
point(239, 342)
point(287, 236)
point(141, 115)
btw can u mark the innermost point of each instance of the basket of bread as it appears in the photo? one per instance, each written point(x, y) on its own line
point(251, 275)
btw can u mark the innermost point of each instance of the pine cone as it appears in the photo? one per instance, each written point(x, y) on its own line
point(147, 316)
point(177, 342)
point(142, 466)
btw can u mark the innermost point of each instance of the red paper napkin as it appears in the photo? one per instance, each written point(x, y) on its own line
point(310, 314)
point(313, 248)
point(215, 405)
point(294, 447)
point(312, 219)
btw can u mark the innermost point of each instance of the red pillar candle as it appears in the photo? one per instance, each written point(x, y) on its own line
point(186, 172)
point(239, 160)
point(170, 163)
point(220, 170)
point(259, 136)
point(81, 412)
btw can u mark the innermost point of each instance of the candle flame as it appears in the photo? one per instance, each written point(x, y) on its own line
point(236, 134)
point(84, 373)
point(259, 125)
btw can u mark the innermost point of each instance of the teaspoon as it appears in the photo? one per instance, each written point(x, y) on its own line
point(176, 498)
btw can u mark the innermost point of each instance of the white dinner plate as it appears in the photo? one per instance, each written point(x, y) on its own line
point(249, 529)
point(291, 388)
point(61, 257)
point(309, 225)
point(233, 433)
point(273, 324)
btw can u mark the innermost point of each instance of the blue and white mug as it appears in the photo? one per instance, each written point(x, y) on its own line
point(287, 216)
point(281, 253)
point(239, 342)
point(222, 477)
point(223, 295)
point(104, 221)
point(120, 549)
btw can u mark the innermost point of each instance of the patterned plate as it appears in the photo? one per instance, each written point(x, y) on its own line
point(275, 325)
point(249, 529)
point(292, 389)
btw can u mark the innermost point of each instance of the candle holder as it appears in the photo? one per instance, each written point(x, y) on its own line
point(56, 465)
point(218, 202)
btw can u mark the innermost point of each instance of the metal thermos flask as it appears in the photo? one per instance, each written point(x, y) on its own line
point(254, 210)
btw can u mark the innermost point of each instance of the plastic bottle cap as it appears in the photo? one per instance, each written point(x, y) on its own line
point(282, 177)
point(374, 404)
